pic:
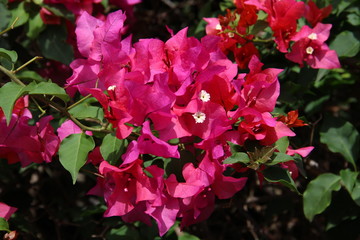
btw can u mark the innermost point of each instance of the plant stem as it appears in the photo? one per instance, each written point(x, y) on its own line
point(27, 63)
point(78, 102)
point(11, 26)
point(54, 105)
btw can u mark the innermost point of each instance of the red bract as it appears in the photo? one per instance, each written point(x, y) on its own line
point(100, 43)
point(291, 120)
point(20, 142)
point(315, 15)
point(261, 88)
point(309, 46)
point(6, 211)
point(48, 17)
point(248, 13)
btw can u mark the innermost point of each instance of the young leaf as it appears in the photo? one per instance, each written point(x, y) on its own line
point(73, 152)
point(277, 174)
point(49, 88)
point(85, 110)
point(279, 158)
point(282, 144)
point(341, 137)
point(234, 148)
point(237, 157)
point(112, 148)
point(4, 225)
point(317, 196)
point(9, 93)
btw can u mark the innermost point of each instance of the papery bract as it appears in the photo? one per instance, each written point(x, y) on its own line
point(309, 46)
point(6, 211)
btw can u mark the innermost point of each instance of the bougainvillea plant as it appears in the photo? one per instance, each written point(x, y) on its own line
point(168, 126)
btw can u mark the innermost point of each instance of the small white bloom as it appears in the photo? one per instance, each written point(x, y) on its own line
point(111, 88)
point(231, 34)
point(309, 50)
point(204, 96)
point(218, 27)
point(312, 36)
point(199, 117)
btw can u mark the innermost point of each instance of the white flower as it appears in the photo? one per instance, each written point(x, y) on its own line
point(218, 27)
point(312, 36)
point(111, 88)
point(204, 96)
point(309, 50)
point(199, 117)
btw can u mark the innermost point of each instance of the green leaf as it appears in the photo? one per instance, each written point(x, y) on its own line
point(187, 236)
point(277, 174)
point(112, 148)
point(4, 225)
point(5, 16)
point(21, 13)
point(346, 44)
point(36, 25)
point(73, 152)
point(341, 137)
point(8, 58)
point(259, 26)
point(85, 110)
point(123, 233)
point(49, 88)
point(353, 19)
point(234, 148)
point(348, 177)
point(282, 144)
point(279, 158)
point(355, 194)
point(9, 93)
point(317, 196)
point(237, 157)
point(300, 165)
point(29, 76)
point(53, 44)
point(316, 105)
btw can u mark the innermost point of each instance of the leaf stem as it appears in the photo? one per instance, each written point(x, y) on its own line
point(78, 102)
point(11, 26)
point(27, 63)
point(54, 105)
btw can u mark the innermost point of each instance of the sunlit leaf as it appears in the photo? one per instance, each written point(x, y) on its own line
point(9, 93)
point(73, 152)
point(112, 148)
point(49, 88)
point(317, 196)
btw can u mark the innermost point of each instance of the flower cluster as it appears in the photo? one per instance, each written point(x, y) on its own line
point(194, 125)
point(185, 91)
point(307, 45)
